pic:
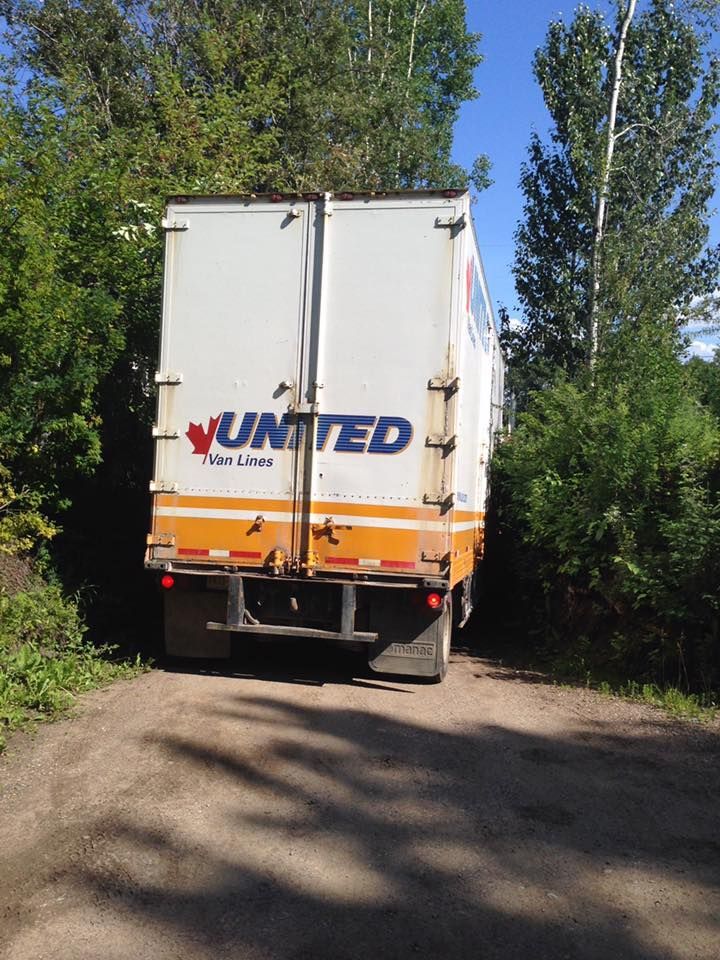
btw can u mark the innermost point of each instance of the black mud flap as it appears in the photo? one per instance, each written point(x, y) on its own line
point(412, 640)
point(186, 615)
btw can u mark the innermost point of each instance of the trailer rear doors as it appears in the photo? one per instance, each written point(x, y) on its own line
point(306, 384)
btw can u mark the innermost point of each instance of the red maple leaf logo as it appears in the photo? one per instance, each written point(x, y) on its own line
point(200, 438)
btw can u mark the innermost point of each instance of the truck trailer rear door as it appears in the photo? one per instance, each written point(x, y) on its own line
point(380, 483)
point(227, 450)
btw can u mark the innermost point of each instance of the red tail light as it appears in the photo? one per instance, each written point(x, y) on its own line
point(433, 600)
point(167, 582)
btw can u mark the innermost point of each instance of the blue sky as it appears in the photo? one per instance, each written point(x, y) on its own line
point(499, 123)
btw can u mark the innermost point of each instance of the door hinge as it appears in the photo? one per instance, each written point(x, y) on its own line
point(447, 384)
point(161, 540)
point(444, 500)
point(300, 409)
point(163, 486)
point(174, 226)
point(161, 433)
point(439, 440)
point(168, 378)
point(433, 556)
point(453, 224)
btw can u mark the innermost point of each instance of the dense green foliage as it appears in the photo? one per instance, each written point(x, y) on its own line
point(60, 327)
point(608, 492)
point(22, 525)
point(661, 184)
point(44, 659)
point(263, 94)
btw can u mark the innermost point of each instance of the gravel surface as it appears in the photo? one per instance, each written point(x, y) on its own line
point(297, 809)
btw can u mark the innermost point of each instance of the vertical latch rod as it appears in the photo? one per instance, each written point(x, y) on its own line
point(235, 601)
point(347, 620)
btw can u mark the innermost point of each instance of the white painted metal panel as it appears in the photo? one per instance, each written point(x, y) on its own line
point(233, 314)
point(346, 312)
point(479, 357)
point(386, 332)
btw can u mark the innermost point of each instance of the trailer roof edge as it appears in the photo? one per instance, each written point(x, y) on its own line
point(444, 192)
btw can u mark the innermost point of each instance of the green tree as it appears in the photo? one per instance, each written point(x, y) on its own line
point(617, 202)
point(265, 95)
point(609, 500)
point(60, 329)
point(704, 381)
point(608, 491)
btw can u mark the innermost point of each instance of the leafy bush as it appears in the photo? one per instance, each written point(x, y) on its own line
point(22, 525)
point(44, 658)
point(608, 494)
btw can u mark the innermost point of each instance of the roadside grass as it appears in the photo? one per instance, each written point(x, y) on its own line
point(45, 660)
point(579, 669)
point(686, 706)
point(549, 666)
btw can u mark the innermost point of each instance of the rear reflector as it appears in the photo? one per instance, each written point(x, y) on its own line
point(167, 582)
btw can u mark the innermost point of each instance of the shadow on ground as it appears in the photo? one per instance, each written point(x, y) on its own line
point(347, 833)
point(304, 662)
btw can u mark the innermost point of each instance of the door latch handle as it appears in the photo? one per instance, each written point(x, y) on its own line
point(328, 527)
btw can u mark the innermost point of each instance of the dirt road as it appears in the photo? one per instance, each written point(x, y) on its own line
point(303, 813)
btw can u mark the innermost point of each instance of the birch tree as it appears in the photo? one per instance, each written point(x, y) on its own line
point(301, 95)
point(617, 198)
point(603, 193)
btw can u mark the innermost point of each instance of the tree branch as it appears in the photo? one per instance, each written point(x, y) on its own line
point(604, 187)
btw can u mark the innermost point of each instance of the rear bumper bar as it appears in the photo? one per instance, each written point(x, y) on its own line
point(237, 618)
point(280, 631)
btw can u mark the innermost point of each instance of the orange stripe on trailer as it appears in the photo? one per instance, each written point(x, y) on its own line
point(214, 553)
point(462, 539)
point(466, 551)
point(396, 549)
point(361, 561)
point(461, 568)
point(229, 536)
point(321, 506)
point(459, 515)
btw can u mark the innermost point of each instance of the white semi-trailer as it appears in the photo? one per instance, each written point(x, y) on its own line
point(329, 389)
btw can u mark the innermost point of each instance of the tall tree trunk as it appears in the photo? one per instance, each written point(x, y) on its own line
point(417, 14)
point(370, 31)
point(603, 197)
